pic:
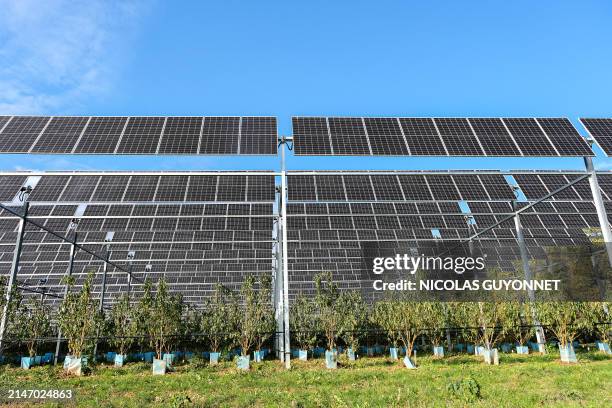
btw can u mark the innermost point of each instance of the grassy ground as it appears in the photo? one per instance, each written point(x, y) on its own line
point(461, 380)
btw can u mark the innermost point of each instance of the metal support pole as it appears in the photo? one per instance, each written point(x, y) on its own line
point(528, 276)
point(14, 269)
point(73, 248)
point(278, 297)
point(129, 282)
point(102, 294)
point(599, 206)
point(285, 263)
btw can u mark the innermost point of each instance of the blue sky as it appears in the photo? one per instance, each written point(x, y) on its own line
point(388, 58)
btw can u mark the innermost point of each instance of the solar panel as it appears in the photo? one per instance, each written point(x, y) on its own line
point(330, 188)
point(555, 181)
point(386, 137)
point(442, 187)
point(258, 135)
point(9, 187)
point(358, 188)
point(49, 188)
point(60, 135)
point(110, 188)
point(497, 187)
point(171, 188)
point(142, 135)
point(181, 135)
point(387, 187)
point(414, 187)
point(422, 137)
point(565, 137)
point(470, 187)
point(458, 137)
point(348, 136)
point(531, 185)
point(141, 188)
point(21, 132)
point(261, 188)
point(494, 137)
point(80, 188)
point(301, 188)
point(220, 135)
point(311, 136)
point(231, 188)
point(601, 130)
point(202, 188)
point(101, 135)
point(529, 137)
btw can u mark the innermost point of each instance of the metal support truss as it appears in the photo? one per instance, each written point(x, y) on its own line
point(599, 206)
point(8, 296)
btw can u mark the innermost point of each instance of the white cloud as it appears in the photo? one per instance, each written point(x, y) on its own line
point(55, 53)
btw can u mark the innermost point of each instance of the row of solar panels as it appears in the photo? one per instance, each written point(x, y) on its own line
point(150, 135)
point(141, 188)
point(138, 135)
point(427, 187)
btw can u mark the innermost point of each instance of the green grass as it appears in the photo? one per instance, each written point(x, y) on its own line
point(519, 381)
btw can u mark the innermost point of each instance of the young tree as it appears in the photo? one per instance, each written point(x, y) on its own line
point(247, 314)
point(217, 319)
point(144, 314)
point(264, 312)
point(35, 324)
point(517, 323)
point(79, 317)
point(12, 327)
point(601, 323)
point(386, 318)
point(565, 319)
point(304, 322)
point(124, 325)
point(354, 316)
point(435, 320)
point(326, 300)
point(410, 319)
point(493, 323)
point(166, 315)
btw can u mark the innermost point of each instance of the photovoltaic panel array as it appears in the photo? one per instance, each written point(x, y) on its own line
point(139, 135)
point(337, 220)
point(601, 130)
point(353, 136)
point(400, 186)
point(195, 230)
